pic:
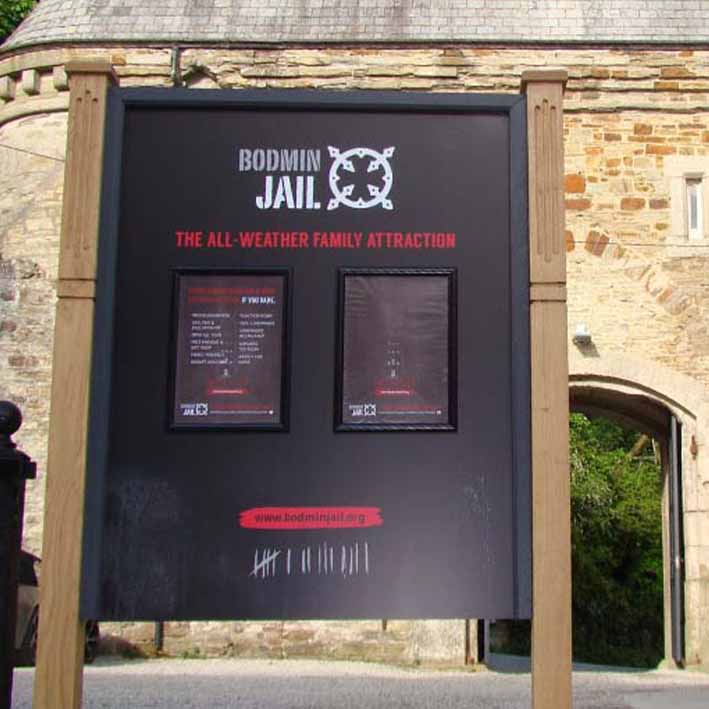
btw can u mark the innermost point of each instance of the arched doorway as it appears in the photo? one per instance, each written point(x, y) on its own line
point(640, 413)
point(673, 409)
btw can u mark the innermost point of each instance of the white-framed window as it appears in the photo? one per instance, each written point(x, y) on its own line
point(687, 181)
point(695, 212)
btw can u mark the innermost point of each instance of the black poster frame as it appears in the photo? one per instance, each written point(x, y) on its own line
point(286, 310)
point(121, 100)
point(451, 275)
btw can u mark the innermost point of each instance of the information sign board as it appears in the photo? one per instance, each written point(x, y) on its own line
point(310, 393)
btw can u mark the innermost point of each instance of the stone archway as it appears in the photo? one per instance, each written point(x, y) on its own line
point(648, 397)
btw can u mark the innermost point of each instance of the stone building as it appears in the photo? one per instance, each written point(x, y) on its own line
point(637, 198)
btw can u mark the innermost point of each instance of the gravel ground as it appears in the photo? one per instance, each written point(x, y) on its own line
point(311, 684)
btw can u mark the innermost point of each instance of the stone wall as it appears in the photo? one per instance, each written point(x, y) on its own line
point(636, 122)
point(623, 253)
point(31, 178)
point(430, 642)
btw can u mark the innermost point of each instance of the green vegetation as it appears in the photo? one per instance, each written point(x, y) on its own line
point(616, 537)
point(12, 12)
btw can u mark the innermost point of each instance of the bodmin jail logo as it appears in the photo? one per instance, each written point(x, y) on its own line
point(359, 178)
point(342, 192)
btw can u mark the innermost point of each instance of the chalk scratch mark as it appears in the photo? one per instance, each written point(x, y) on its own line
point(354, 560)
point(265, 563)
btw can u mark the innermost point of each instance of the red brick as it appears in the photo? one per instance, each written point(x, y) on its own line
point(612, 137)
point(599, 73)
point(596, 243)
point(654, 149)
point(659, 204)
point(22, 362)
point(676, 72)
point(574, 184)
point(578, 205)
point(570, 245)
point(632, 204)
point(642, 129)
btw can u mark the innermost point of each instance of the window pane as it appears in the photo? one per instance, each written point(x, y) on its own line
point(693, 202)
point(695, 226)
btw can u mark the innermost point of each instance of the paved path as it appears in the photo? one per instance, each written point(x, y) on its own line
point(310, 684)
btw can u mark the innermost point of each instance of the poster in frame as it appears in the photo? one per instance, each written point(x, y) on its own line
point(229, 349)
point(397, 355)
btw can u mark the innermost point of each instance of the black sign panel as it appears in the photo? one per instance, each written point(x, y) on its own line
point(283, 258)
point(229, 350)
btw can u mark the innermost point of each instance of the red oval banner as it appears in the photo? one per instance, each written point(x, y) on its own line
point(310, 517)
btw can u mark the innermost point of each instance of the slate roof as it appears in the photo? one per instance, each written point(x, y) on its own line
point(321, 21)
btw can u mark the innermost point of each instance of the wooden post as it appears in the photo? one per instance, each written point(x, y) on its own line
point(60, 658)
point(551, 517)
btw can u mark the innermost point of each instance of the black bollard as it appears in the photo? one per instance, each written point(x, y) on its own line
point(15, 468)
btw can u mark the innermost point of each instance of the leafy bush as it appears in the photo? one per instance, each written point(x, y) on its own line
point(12, 12)
point(616, 538)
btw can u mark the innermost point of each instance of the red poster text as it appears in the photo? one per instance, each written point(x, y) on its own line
point(288, 240)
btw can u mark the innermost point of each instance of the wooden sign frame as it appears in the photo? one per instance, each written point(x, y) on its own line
point(58, 679)
point(551, 483)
